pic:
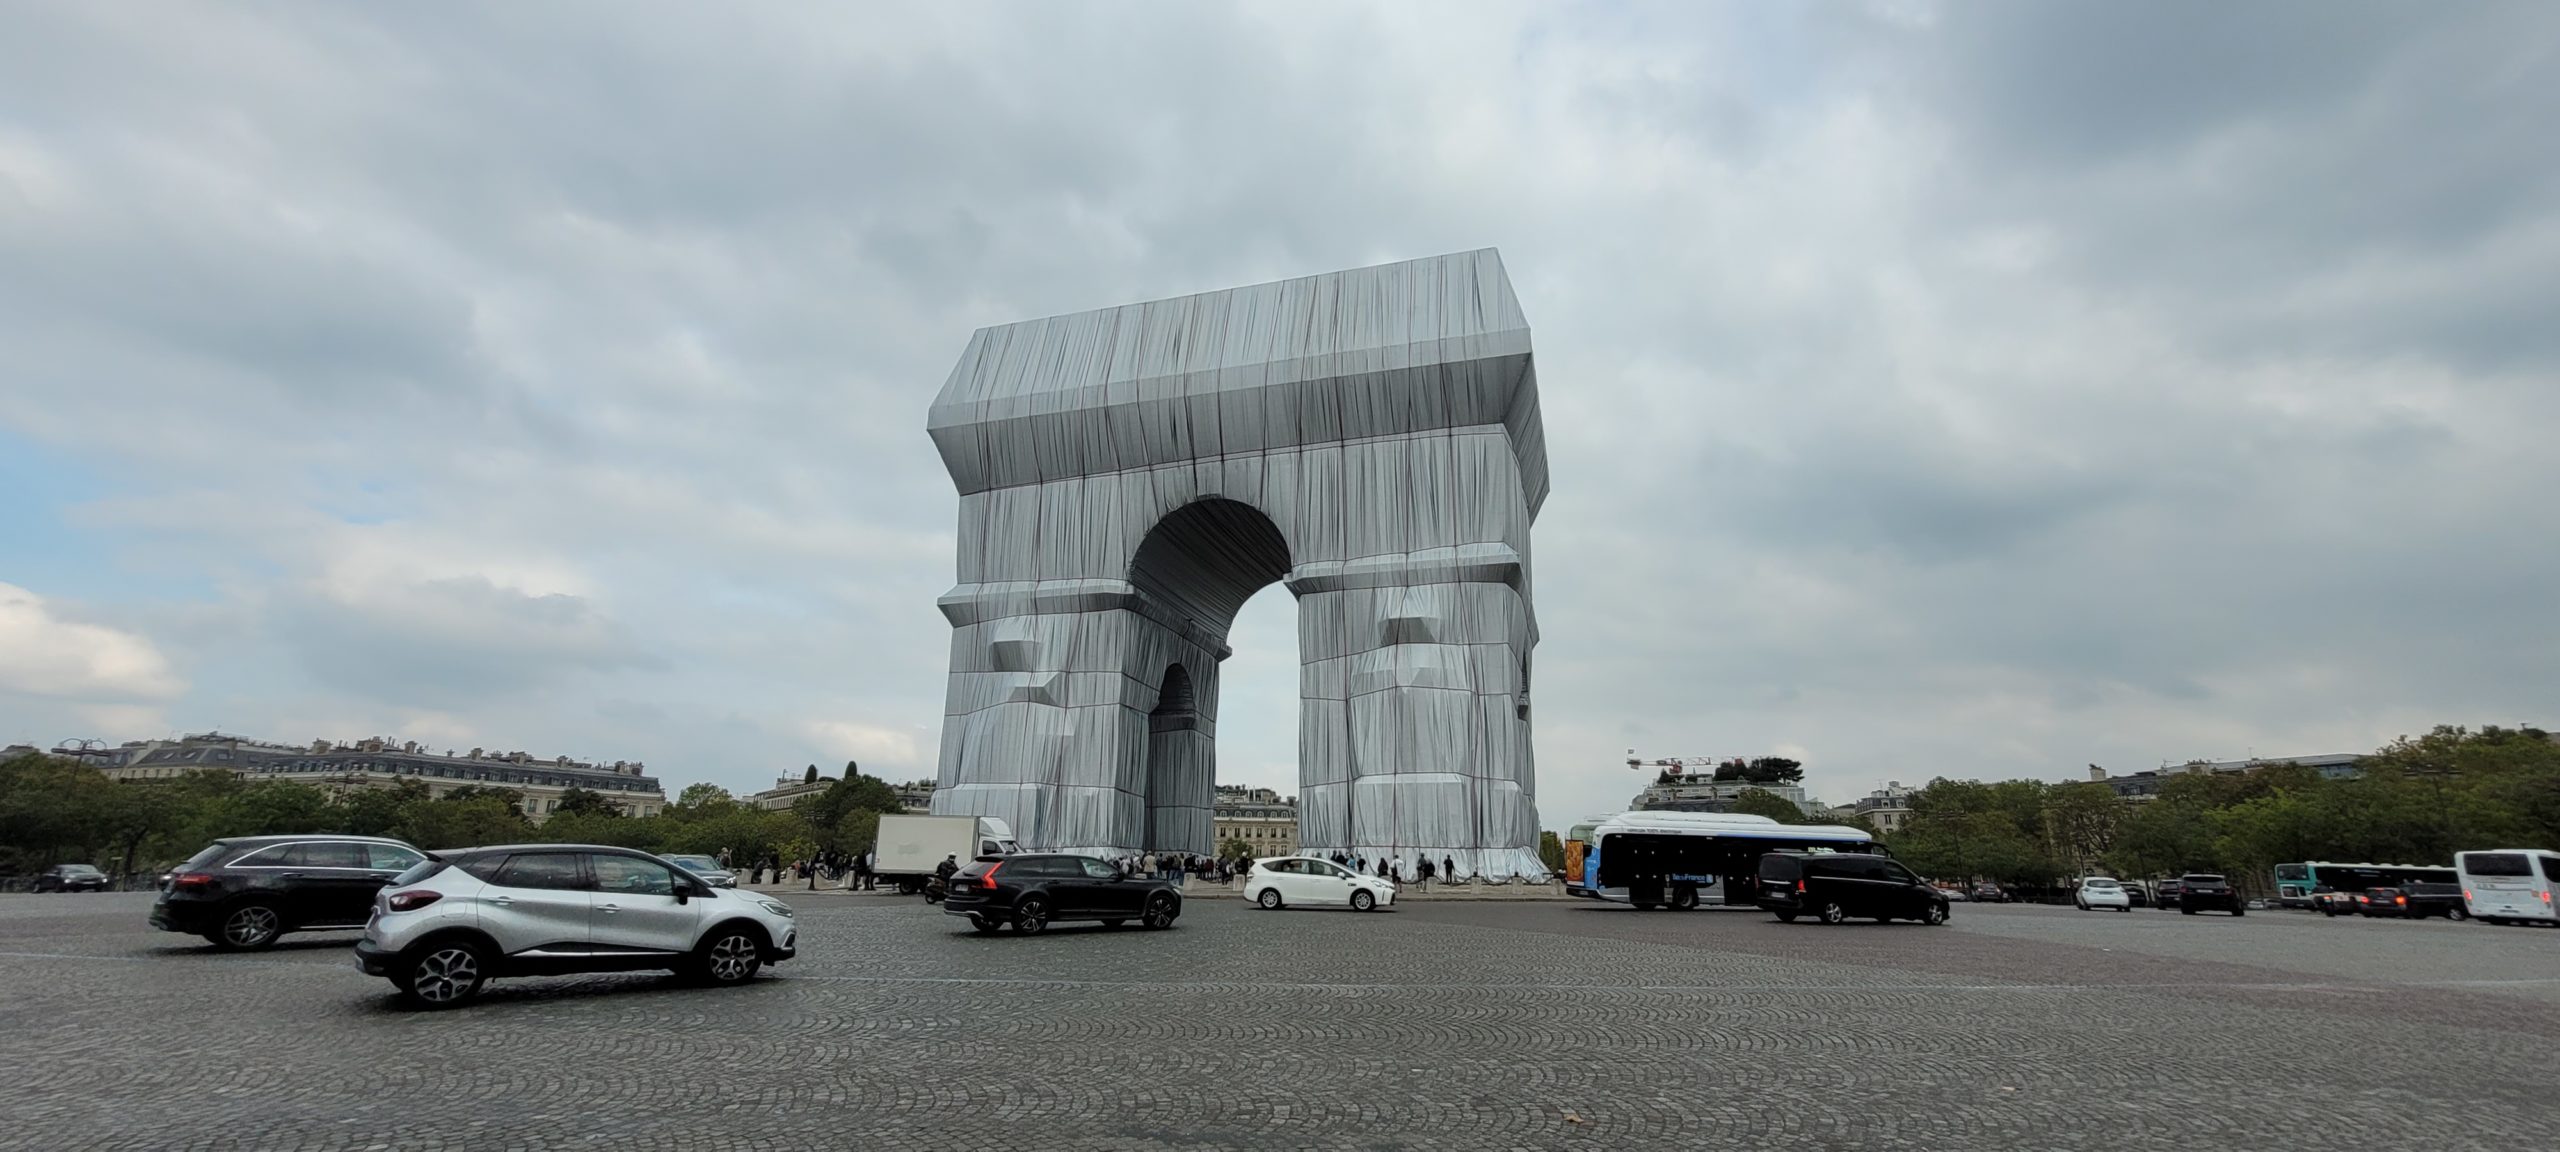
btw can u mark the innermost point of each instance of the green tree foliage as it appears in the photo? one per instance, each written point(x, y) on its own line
point(581, 802)
point(1233, 849)
point(1762, 802)
point(1551, 851)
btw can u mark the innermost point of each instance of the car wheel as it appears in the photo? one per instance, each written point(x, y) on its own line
point(1785, 917)
point(983, 925)
point(729, 955)
point(1684, 898)
point(249, 927)
point(2456, 914)
point(1030, 916)
point(1834, 914)
point(1362, 900)
point(444, 975)
point(1270, 900)
point(1161, 909)
point(1936, 915)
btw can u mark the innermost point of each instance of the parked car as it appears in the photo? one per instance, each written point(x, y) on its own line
point(2207, 891)
point(2167, 894)
point(72, 878)
point(1032, 891)
point(2136, 897)
point(243, 893)
point(2414, 901)
point(1834, 886)
point(456, 920)
point(2101, 892)
point(1316, 883)
point(1989, 894)
point(706, 867)
point(2331, 902)
point(1956, 895)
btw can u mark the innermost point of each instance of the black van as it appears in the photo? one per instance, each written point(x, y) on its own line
point(1834, 886)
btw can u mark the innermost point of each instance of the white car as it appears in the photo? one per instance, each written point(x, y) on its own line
point(445, 927)
point(1316, 882)
point(2102, 892)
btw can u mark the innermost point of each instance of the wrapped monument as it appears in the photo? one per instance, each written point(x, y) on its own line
point(1129, 477)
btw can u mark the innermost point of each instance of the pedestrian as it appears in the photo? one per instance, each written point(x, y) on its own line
point(724, 859)
point(1448, 870)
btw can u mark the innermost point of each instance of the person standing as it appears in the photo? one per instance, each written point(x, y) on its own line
point(1448, 869)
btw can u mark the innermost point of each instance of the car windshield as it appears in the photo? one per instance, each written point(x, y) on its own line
point(697, 862)
point(80, 869)
point(2102, 884)
point(2204, 879)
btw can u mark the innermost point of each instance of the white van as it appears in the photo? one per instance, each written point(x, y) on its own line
point(2510, 885)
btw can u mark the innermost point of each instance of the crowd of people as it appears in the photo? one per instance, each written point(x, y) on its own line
point(857, 871)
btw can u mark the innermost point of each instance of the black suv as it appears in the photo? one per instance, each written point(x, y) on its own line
point(245, 892)
point(1032, 892)
point(2199, 891)
point(1834, 886)
point(72, 878)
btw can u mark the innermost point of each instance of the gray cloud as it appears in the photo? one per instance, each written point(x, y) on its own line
point(1980, 390)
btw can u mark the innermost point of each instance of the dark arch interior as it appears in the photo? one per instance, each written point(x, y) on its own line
point(1205, 559)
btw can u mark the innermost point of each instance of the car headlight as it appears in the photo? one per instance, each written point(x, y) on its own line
point(776, 907)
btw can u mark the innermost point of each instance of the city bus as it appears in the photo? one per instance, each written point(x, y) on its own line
point(1651, 859)
point(1577, 843)
point(2307, 885)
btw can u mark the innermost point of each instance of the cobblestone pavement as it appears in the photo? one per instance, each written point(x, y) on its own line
point(1458, 1025)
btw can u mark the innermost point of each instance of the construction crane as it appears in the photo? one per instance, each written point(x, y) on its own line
point(1683, 765)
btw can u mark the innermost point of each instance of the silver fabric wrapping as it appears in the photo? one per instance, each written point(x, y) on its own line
point(1130, 477)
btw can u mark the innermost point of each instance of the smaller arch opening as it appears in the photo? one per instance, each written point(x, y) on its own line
point(1206, 558)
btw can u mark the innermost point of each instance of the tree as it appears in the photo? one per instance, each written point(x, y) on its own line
point(1774, 770)
point(1234, 849)
point(698, 800)
point(1551, 851)
point(810, 776)
point(581, 802)
point(1762, 802)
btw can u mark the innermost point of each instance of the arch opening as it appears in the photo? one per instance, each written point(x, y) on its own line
point(1206, 558)
point(1198, 566)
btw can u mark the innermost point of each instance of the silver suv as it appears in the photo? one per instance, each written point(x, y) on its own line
point(463, 917)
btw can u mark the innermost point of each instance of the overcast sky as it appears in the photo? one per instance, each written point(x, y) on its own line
point(1980, 392)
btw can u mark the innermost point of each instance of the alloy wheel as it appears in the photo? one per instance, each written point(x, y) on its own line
point(1834, 914)
point(1030, 917)
point(445, 976)
point(733, 958)
point(1160, 912)
point(1937, 914)
point(1362, 901)
point(1271, 899)
point(251, 926)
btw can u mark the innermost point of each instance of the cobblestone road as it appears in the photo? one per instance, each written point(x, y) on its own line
point(1458, 1026)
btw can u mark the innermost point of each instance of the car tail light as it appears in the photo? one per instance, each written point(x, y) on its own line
point(2546, 895)
point(1799, 887)
point(2399, 899)
point(414, 899)
point(192, 880)
point(2466, 894)
point(988, 880)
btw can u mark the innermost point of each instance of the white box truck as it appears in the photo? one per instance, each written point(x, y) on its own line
point(910, 846)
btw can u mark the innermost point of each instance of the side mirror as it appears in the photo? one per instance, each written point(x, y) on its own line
point(684, 892)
